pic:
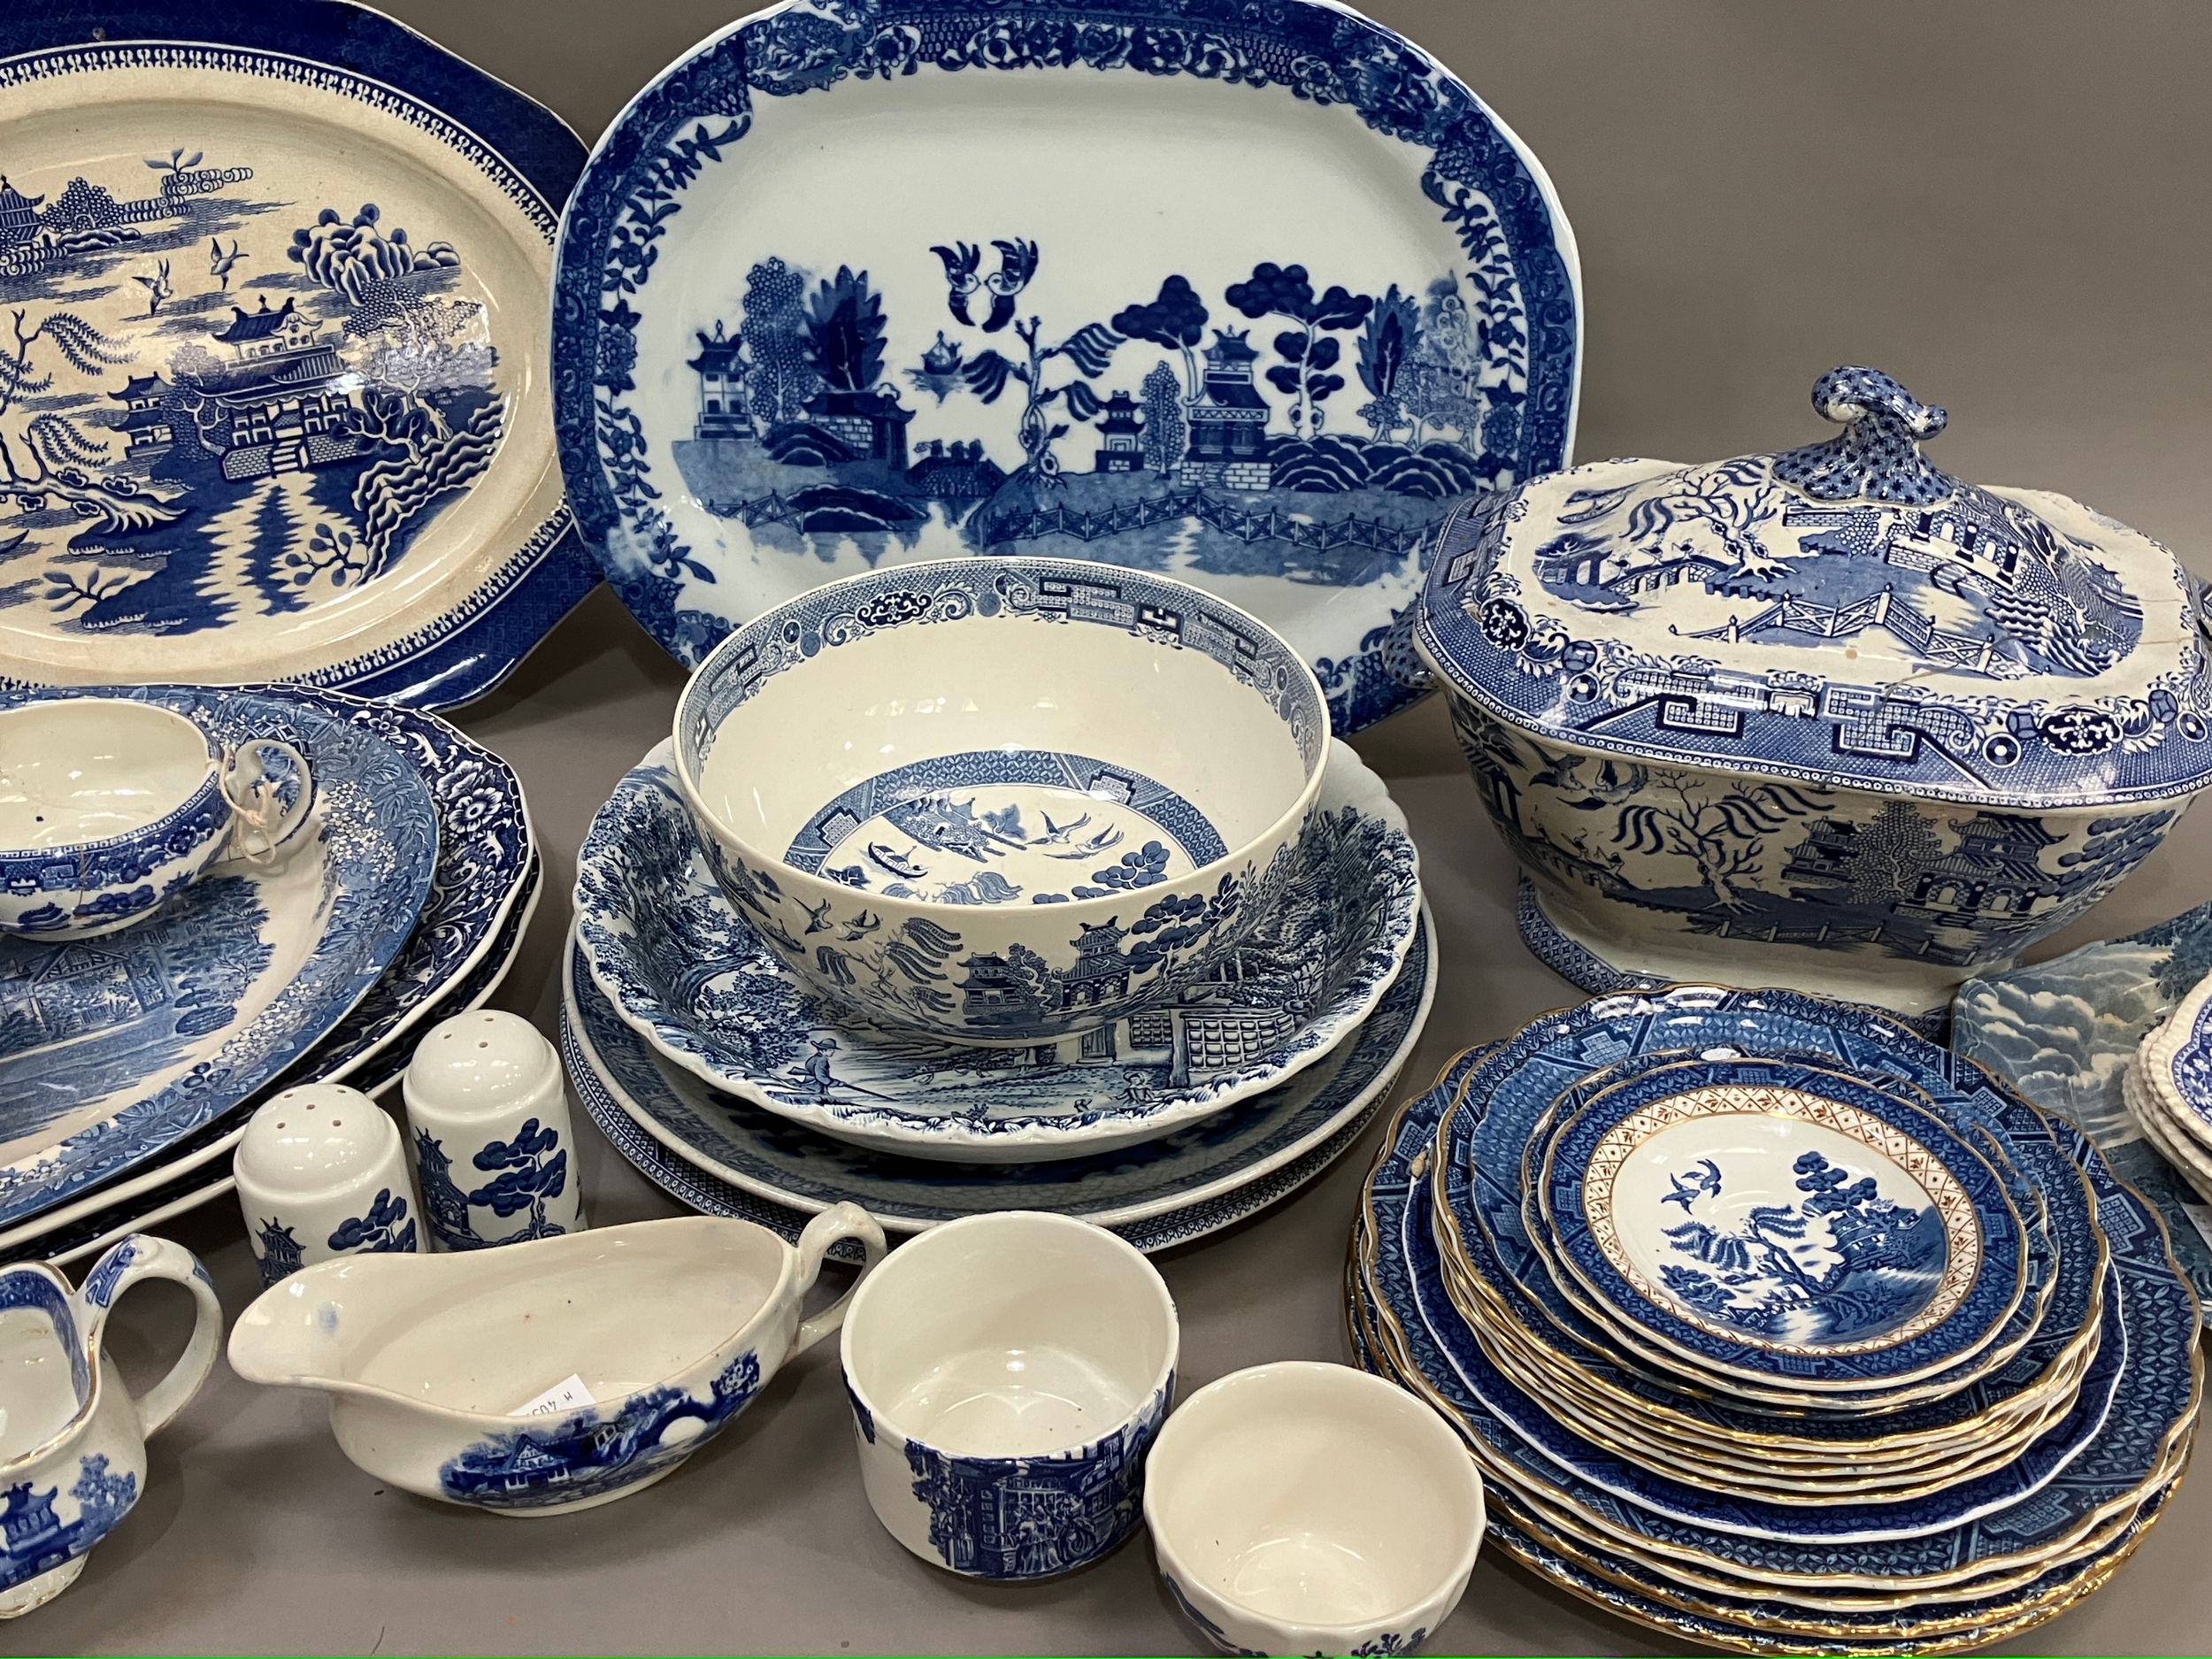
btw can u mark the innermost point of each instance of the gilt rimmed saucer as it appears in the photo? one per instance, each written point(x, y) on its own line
point(113, 1049)
point(280, 382)
point(686, 971)
point(1156, 1192)
point(1783, 1223)
point(782, 355)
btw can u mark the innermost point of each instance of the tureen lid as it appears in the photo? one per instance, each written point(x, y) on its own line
point(1844, 613)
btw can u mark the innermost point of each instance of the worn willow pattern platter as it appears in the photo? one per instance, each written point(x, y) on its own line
point(273, 396)
point(1249, 294)
point(112, 1048)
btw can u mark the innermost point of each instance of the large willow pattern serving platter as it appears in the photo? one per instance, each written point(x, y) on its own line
point(273, 394)
point(1252, 295)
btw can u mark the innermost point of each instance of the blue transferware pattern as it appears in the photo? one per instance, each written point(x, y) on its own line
point(208, 1179)
point(589, 1454)
point(157, 494)
point(1620, 1582)
point(1840, 1546)
point(1889, 1266)
point(1071, 974)
point(1779, 554)
point(92, 888)
point(1480, 1169)
point(1558, 1064)
point(899, 828)
point(1705, 705)
point(1330, 926)
point(119, 1048)
point(1388, 1643)
point(1031, 1517)
point(531, 1170)
point(384, 1228)
point(719, 454)
point(733, 1158)
point(33, 1538)
point(2064, 1032)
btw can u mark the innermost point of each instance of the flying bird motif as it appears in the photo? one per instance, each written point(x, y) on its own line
point(818, 919)
point(219, 262)
point(963, 262)
point(860, 926)
point(157, 287)
point(1700, 1184)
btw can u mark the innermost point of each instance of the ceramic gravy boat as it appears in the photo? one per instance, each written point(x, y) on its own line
point(73, 1438)
point(553, 1375)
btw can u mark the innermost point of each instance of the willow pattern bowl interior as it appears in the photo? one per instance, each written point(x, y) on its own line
point(1301, 1508)
point(1828, 717)
point(999, 801)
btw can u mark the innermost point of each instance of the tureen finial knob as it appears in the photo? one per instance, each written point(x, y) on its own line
point(1877, 455)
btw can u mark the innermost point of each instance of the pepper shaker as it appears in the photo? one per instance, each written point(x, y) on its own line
point(321, 1172)
point(487, 1111)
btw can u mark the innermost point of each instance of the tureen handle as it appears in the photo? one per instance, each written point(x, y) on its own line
point(1877, 455)
point(846, 1220)
point(142, 1256)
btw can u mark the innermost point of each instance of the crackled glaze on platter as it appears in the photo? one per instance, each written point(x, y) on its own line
point(1331, 923)
point(118, 1046)
point(273, 406)
point(752, 388)
point(1153, 1193)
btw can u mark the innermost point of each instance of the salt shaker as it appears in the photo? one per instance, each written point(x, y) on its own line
point(487, 1109)
point(321, 1172)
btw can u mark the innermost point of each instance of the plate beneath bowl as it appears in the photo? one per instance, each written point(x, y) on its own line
point(685, 970)
point(112, 1048)
point(900, 278)
point(742, 1146)
point(279, 276)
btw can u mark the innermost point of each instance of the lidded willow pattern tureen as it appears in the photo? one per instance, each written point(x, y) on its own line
point(1830, 717)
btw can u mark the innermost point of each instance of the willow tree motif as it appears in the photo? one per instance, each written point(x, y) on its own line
point(1387, 349)
point(45, 462)
point(1090, 349)
point(531, 1171)
point(1720, 836)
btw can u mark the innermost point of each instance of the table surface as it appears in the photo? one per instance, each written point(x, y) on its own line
point(2005, 210)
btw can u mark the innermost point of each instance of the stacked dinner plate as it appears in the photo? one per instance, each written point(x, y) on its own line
point(726, 1082)
point(1776, 1327)
point(129, 1063)
point(2168, 1086)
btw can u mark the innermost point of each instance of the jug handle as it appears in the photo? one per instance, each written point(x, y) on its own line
point(839, 1221)
point(140, 1256)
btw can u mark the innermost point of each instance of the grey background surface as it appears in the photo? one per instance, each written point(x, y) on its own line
point(2003, 205)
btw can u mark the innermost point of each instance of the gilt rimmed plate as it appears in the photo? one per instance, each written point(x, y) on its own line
point(112, 1048)
point(1783, 1222)
point(275, 403)
point(2124, 1462)
point(1198, 1169)
point(1251, 295)
point(1338, 913)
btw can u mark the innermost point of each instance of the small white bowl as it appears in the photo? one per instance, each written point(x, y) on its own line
point(1007, 1374)
point(1301, 1508)
point(1001, 801)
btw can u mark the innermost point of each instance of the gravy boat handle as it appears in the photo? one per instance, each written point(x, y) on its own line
point(839, 1221)
point(143, 1257)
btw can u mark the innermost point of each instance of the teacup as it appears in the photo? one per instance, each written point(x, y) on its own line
point(551, 1375)
point(73, 1439)
point(1308, 1509)
point(108, 806)
point(1008, 1373)
point(1001, 801)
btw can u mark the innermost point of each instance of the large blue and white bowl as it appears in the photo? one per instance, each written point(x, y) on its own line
point(1001, 801)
